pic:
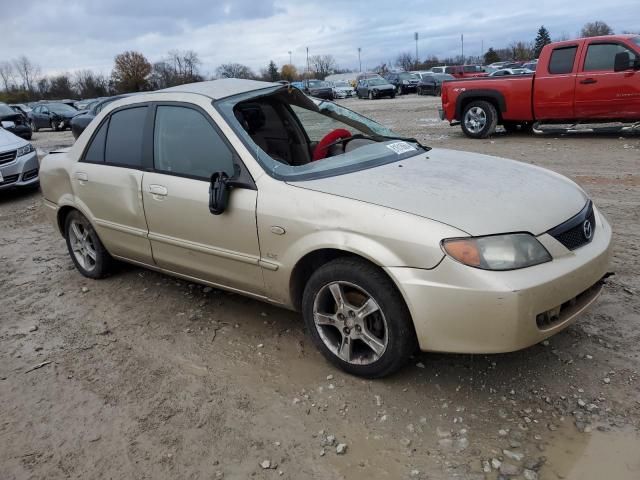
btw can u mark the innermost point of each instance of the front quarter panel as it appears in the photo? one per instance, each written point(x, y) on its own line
point(314, 221)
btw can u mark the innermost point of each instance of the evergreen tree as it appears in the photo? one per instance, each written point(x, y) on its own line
point(273, 71)
point(491, 56)
point(543, 38)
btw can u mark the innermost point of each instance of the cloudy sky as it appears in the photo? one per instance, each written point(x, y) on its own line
point(77, 34)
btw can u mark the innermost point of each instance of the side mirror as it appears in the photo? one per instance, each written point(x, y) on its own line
point(218, 193)
point(622, 62)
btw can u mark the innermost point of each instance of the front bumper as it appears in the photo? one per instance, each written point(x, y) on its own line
point(22, 131)
point(460, 309)
point(21, 172)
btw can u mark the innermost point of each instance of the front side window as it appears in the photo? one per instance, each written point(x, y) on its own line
point(602, 56)
point(185, 143)
point(562, 60)
point(124, 137)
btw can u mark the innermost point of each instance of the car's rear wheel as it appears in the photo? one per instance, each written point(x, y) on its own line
point(479, 119)
point(85, 248)
point(358, 319)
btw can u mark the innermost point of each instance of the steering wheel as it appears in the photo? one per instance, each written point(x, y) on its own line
point(322, 148)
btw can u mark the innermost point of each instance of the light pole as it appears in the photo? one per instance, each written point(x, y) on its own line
point(290, 63)
point(359, 60)
point(415, 35)
point(462, 45)
point(308, 68)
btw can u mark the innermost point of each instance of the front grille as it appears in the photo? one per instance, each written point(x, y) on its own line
point(9, 179)
point(6, 157)
point(558, 315)
point(578, 230)
point(29, 174)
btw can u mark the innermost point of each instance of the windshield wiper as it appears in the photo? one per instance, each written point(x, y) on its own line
point(407, 139)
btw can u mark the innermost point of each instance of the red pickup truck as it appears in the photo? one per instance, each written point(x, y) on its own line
point(589, 80)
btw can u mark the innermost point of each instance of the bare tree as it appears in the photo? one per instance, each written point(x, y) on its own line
point(27, 71)
point(323, 65)
point(405, 61)
point(7, 75)
point(595, 29)
point(131, 72)
point(522, 51)
point(186, 66)
point(89, 84)
point(234, 70)
point(61, 86)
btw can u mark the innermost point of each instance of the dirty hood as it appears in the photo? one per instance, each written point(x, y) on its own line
point(478, 194)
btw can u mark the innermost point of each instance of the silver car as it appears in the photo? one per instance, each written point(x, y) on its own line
point(383, 244)
point(18, 162)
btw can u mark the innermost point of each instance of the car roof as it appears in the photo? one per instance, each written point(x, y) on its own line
point(216, 89)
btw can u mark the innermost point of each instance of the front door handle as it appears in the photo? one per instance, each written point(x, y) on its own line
point(588, 81)
point(82, 176)
point(158, 190)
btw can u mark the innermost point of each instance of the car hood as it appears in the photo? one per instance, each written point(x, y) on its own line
point(478, 194)
point(9, 141)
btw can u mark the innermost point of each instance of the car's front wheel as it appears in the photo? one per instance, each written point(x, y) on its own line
point(54, 125)
point(34, 128)
point(358, 319)
point(479, 119)
point(370, 95)
point(85, 248)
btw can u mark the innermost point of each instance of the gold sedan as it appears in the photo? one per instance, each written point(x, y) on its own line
point(383, 244)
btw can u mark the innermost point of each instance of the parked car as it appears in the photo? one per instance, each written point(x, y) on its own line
point(431, 83)
point(343, 89)
point(466, 71)
point(503, 72)
point(301, 203)
point(14, 122)
point(318, 89)
point(54, 115)
point(18, 161)
point(440, 69)
point(79, 122)
point(24, 109)
point(404, 82)
point(375, 87)
point(530, 65)
point(585, 80)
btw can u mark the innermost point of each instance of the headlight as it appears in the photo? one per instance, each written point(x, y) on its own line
point(405, 82)
point(28, 148)
point(497, 252)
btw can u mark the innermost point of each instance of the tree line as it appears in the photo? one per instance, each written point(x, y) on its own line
point(21, 79)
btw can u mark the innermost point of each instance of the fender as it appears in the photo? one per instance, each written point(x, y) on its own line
point(468, 95)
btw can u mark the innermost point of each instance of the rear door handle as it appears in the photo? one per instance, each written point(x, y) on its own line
point(588, 81)
point(82, 176)
point(158, 190)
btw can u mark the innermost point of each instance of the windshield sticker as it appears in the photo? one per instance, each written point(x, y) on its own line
point(401, 147)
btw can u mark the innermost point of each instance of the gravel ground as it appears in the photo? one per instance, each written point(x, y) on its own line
point(144, 376)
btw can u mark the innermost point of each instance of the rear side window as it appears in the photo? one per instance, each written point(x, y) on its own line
point(602, 56)
point(95, 152)
point(185, 143)
point(124, 138)
point(562, 60)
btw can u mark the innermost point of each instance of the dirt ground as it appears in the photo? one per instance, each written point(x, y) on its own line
point(150, 377)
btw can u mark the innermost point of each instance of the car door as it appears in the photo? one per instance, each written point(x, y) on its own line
point(600, 91)
point(107, 183)
point(185, 236)
point(40, 118)
point(554, 85)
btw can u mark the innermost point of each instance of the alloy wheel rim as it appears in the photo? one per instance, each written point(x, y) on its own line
point(82, 246)
point(475, 119)
point(350, 323)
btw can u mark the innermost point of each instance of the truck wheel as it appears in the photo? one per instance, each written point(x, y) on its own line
point(479, 119)
point(358, 319)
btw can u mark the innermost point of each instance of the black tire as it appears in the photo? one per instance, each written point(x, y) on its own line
point(34, 128)
point(371, 97)
point(490, 115)
point(54, 125)
point(103, 262)
point(398, 90)
point(419, 91)
point(438, 91)
point(400, 334)
point(393, 94)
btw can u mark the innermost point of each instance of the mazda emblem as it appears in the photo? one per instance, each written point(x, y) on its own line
point(587, 229)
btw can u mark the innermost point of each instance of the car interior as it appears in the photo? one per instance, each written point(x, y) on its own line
point(293, 134)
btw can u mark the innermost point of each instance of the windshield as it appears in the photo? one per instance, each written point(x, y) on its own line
point(341, 84)
point(317, 84)
point(61, 108)
point(377, 81)
point(408, 76)
point(295, 138)
point(5, 110)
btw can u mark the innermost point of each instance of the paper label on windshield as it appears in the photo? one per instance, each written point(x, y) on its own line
point(400, 147)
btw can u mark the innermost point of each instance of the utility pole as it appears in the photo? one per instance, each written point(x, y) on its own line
point(481, 48)
point(415, 35)
point(462, 44)
point(290, 63)
point(308, 68)
point(359, 60)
